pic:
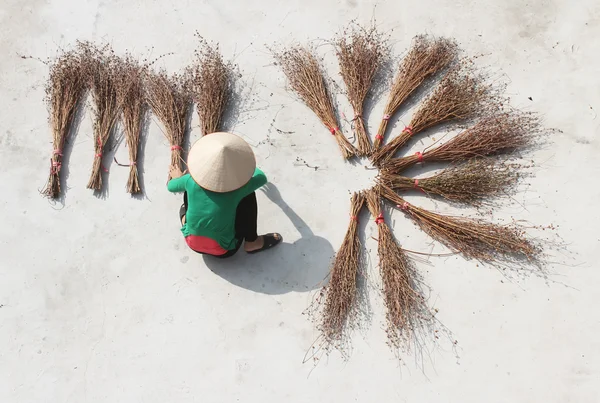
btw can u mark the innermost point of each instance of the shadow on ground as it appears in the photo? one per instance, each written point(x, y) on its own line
point(298, 266)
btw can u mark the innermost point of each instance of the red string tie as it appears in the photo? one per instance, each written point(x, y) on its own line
point(379, 219)
point(403, 206)
point(334, 129)
point(354, 218)
point(379, 137)
point(408, 130)
point(56, 167)
point(416, 183)
point(386, 117)
point(99, 155)
point(419, 156)
point(173, 148)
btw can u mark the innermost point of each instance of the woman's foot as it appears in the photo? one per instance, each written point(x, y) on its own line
point(263, 242)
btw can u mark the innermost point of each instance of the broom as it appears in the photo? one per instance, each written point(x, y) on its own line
point(474, 238)
point(469, 183)
point(460, 96)
point(499, 133)
point(170, 101)
point(212, 86)
point(102, 70)
point(341, 292)
point(65, 90)
point(405, 304)
point(305, 77)
point(359, 55)
point(134, 115)
point(426, 57)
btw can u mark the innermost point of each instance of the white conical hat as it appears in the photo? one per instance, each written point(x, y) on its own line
point(221, 162)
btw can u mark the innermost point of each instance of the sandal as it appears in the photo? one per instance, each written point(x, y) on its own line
point(271, 240)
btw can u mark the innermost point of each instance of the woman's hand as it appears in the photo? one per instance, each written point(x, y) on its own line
point(175, 172)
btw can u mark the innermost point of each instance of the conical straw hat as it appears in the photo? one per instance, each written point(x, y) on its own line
point(221, 162)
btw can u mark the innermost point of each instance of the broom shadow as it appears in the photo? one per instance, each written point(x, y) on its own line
point(363, 284)
point(238, 97)
point(141, 156)
point(299, 266)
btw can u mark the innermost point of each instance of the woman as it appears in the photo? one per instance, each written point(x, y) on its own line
point(219, 210)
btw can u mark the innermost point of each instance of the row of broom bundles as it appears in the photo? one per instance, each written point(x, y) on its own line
point(123, 91)
point(458, 94)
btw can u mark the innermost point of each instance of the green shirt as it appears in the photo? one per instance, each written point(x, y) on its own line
point(212, 214)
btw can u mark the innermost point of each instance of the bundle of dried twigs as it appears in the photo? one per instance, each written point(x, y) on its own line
point(212, 84)
point(471, 182)
point(406, 306)
point(461, 95)
point(306, 78)
point(170, 100)
point(473, 238)
point(341, 292)
point(426, 57)
point(130, 80)
point(360, 53)
point(102, 66)
point(495, 134)
point(65, 91)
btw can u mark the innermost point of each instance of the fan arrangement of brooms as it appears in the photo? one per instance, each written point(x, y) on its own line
point(124, 90)
point(491, 128)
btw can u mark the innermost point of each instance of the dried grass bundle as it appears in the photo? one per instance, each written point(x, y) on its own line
point(426, 57)
point(212, 83)
point(305, 77)
point(360, 53)
point(499, 133)
point(102, 69)
point(474, 238)
point(471, 182)
point(170, 100)
point(135, 110)
point(461, 95)
point(406, 307)
point(65, 90)
point(341, 292)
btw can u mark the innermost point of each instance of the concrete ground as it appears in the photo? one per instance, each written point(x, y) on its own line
point(101, 301)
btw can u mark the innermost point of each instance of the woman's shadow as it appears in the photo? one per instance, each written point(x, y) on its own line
point(298, 266)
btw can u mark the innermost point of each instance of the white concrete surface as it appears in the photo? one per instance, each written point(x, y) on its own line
point(100, 301)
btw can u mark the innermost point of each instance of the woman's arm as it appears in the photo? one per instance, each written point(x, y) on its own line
point(178, 184)
point(259, 179)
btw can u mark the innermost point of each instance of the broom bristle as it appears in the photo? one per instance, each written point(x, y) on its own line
point(170, 100)
point(360, 52)
point(101, 68)
point(65, 90)
point(471, 182)
point(341, 292)
point(477, 239)
point(212, 83)
point(499, 133)
point(304, 75)
point(462, 95)
point(406, 306)
point(130, 79)
point(426, 57)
